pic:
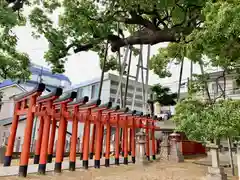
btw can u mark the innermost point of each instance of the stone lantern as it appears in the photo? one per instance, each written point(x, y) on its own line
point(215, 172)
point(140, 147)
point(175, 154)
point(175, 137)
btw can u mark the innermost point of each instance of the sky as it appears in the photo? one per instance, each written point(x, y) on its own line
point(84, 66)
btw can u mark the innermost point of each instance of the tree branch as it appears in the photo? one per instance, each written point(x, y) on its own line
point(138, 19)
point(135, 19)
point(144, 36)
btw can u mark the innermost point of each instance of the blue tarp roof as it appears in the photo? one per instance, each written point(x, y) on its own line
point(48, 72)
point(37, 70)
point(6, 83)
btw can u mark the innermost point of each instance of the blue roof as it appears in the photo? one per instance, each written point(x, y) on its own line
point(48, 72)
point(6, 83)
point(37, 70)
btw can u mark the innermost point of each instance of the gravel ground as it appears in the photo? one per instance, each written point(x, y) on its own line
point(158, 170)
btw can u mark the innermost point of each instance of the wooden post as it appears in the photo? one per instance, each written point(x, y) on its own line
point(130, 142)
point(117, 140)
point(108, 137)
point(60, 142)
point(125, 144)
point(27, 138)
point(153, 141)
point(86, 139)
point(101, 140)
point(122, 141)
point(133, 148)
point(44, 144)
point(147, 141)
point(64, 139)
point(92, 149)
point(11, 139)
point(51, 140)
point(39, 141)
point(98, 143)
point(72, 162)
point(82, 143)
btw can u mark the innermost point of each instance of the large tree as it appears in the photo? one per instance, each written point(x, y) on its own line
point(193, 27)
point(204, 121)
point(163, 95)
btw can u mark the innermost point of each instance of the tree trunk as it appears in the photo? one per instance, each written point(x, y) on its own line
point(102, 74)
point(144, 36)
point(180, 80)
point(238, 159)
point(231, 155)
point(205, 82)
point(190, 79)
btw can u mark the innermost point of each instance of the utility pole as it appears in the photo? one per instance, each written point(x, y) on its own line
point(1, 100)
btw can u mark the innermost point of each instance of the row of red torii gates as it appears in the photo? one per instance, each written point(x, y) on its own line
point(54, 108)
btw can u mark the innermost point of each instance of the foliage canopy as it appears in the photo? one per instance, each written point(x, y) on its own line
point(204, 122)
point(163, 95)
point(193, 27)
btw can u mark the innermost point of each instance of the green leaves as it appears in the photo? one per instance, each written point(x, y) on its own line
point(178, 14)
point(204, 122)
point(196, 28)
point(159, 62)
point(163, 95)
point(13, 64)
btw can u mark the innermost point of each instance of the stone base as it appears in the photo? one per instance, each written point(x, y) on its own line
point(176, 158)
point(142, 161)
point(216, 174)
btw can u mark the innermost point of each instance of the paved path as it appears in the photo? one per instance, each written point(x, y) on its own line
point(223, 157)
point(33, 168)
point(152, 171)
point(157, 170)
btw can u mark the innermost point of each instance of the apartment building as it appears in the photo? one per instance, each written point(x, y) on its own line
point(109, 90)
point(216, 85)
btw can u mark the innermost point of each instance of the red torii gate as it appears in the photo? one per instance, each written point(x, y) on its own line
point(24, 105)
point(51, 109)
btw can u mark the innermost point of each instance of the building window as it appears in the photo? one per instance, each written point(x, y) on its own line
point(86, 91)
point(130, 87)
point(113, 91)
point(114, 83)
point(138, 97)
point(138, 104)
point(80, 93)
point(111, 99)
point(94, 91)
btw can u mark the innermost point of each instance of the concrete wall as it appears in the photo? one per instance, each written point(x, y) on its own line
point(8, 104)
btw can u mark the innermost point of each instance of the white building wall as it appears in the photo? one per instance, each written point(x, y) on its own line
point(131, 84)
point(105, 94)
point(8, 103)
